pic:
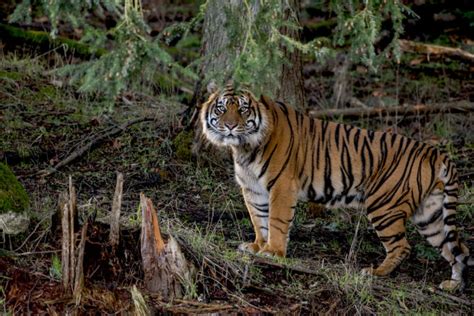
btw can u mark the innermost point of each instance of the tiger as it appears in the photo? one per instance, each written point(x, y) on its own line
point(282, 156)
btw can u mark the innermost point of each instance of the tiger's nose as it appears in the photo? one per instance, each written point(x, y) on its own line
point(230, 125)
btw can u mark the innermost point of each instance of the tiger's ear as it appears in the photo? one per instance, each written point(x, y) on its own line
point(212, 87)
point(266, 100)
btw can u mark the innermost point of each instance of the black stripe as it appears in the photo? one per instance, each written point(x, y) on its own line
point(435, 217)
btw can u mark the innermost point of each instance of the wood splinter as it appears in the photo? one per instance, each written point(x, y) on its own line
point(114, 236)
point(166, 270)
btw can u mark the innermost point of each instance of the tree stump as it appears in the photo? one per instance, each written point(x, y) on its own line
point(166, 270)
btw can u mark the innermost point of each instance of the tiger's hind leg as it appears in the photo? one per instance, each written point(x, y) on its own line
point(390, 228)
point(435, 220)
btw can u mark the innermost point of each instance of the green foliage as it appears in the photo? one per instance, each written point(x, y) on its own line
point(13, 196)
point(359, 23)
point(258, 38)
point(133, 60)
point(258, 33)
point(426, 251)
point(55, 270)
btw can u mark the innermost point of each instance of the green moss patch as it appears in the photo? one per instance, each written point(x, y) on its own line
point(182, 144)
point(13, 197)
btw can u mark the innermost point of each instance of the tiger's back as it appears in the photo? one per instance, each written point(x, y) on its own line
point(282, 156)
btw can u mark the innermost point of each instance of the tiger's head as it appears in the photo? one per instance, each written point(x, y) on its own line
point(234, 118)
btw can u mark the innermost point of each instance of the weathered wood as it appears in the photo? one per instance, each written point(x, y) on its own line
point(114, 235)
point(79, 269)
point(68, 262)
point(65, 248)
point(165, 268)
point(430, 49)
point(72, 237)
point(453, 107)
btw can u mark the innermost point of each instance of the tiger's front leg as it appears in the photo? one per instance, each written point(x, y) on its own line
point(257, 206)
point(283, 199)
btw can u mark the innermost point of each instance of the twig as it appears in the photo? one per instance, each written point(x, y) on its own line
point(451, 297)
point(29, 253)
point(115, 216)
point(72, 236)
point(454, 107)
point(79, 152)
point(269, 262)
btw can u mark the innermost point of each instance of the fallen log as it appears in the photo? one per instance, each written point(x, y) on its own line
point(430, 49)
point(166, 270)
point(404, 110)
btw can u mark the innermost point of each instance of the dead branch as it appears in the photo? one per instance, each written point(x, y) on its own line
point(95, 141)
point(72, 237)
point(115, 216)
point(68, 207)
point(430, 49)
point(79, 270)
point(65, 256)
point(454, 107)
point(452, 297)
point(271, 263)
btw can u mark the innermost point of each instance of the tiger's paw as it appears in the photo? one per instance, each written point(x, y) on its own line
point(375, 272)
point(249, 247)
point(451, 285)
point(267, 251)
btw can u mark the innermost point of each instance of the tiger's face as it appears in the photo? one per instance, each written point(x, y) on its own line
point(233, 119)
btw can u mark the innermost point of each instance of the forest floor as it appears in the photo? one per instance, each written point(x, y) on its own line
point(199, 203)
point(43, 120)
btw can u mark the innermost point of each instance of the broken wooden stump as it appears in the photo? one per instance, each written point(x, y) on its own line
point(71, 258)
point(166, 270)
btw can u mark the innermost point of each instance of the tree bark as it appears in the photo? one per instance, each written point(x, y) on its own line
point(217, 58)
point(291, 88)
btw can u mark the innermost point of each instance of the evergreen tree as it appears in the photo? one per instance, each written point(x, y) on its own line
point(258, 38)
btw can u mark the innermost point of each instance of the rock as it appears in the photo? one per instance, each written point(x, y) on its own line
point(14, 223)
point(14, 203)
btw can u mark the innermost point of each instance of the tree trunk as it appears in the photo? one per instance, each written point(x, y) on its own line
point(291, 88)
point(218, 58)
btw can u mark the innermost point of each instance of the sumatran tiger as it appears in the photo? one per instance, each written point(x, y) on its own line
point(282, 156)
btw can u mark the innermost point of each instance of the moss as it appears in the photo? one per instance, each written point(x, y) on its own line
point(48, 91)
point(182, 144)
point(45, 42)
point(13, 196)
point(13, 75)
